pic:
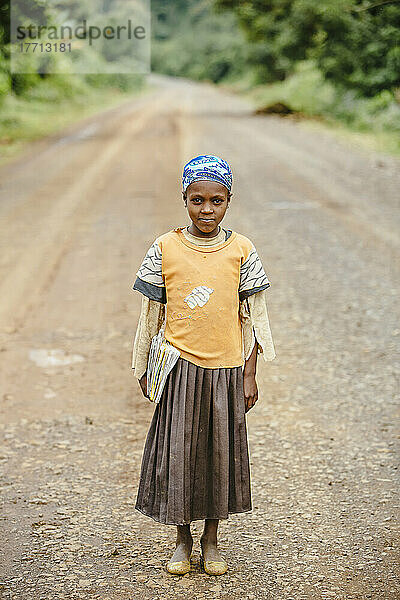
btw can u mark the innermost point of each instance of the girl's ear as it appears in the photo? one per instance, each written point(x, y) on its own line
point(184, 198)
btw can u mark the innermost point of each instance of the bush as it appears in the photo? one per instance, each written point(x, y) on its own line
point(122, 81)
point(190, 40)
point(307, 91)
point(355, 44)
point(5, 81)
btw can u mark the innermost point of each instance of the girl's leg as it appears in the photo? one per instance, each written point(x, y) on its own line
point(208, 540)
point(184, 543)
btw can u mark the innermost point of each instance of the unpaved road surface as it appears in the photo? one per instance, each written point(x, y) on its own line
point(77, 214)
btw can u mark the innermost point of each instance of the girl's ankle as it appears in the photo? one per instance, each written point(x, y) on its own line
point(208, 539)
point(186, 540)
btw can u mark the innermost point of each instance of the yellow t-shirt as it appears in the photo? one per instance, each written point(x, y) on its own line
point(202, 286)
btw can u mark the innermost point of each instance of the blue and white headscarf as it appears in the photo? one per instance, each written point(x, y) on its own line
point(207, 166)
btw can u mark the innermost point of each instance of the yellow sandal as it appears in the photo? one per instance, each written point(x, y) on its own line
point(214, 567)
point(180, 567)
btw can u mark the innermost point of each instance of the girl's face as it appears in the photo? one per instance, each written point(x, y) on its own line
point(206, 202)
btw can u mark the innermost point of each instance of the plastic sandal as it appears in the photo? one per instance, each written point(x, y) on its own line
point(180, 567)
point(214, 567)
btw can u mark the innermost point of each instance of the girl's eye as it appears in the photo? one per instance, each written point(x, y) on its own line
point(218, 201)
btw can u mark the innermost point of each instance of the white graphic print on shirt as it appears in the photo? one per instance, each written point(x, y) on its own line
point(199, 296)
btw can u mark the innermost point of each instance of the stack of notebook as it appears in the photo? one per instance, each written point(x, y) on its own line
point(162, 358)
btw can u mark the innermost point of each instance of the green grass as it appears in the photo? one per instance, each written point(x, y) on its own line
point(372, 123)
point(378, 141)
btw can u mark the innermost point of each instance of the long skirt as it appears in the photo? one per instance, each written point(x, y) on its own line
point(195, 462)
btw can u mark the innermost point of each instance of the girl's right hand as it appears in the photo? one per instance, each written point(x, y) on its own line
point(250, 391)
point(143, 385)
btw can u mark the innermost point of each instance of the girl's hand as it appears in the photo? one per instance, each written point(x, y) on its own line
point(250, 391)
point(249, 380)
point(143, 385)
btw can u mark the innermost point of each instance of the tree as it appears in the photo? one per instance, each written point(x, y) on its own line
point(355, 43)
point(191, 40)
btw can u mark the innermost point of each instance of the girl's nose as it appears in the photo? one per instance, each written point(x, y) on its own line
point(207, 209)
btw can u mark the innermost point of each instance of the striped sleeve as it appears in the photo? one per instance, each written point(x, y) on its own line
point(149, 278)
point(252, 275)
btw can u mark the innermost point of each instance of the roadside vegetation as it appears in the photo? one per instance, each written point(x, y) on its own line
point(335, 61)
point(33, 105)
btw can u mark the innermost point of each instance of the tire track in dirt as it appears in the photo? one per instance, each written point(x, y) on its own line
point(309, 172)
point(32, 270)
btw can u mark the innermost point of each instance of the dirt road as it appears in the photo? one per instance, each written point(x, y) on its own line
point(77, 214)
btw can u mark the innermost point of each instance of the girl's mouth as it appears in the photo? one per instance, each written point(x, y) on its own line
point(206, 220)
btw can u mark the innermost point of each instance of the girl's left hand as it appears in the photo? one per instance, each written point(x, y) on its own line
point(250, 391)
point(143, 384)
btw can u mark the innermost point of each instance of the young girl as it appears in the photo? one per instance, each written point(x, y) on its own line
point(208, 286)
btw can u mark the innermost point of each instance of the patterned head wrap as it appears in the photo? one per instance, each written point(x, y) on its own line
point(207, 166)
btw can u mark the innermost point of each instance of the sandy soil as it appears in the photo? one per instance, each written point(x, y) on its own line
point(77, 213)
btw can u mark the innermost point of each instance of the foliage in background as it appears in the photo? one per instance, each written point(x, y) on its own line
point(62, 84)
point(354, 43)
point(307, 91)
point(191, 40)
point(339, 59)
point(4, 71)
point(36, 104)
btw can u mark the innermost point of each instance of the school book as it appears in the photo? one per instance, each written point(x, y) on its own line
point(162, 358)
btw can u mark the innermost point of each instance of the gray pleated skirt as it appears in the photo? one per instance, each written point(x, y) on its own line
point(195, 462)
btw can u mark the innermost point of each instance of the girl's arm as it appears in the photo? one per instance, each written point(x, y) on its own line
point(150, 283)
point(150, 321)
point(249, 379)
point(258, 316)
point(257, 338)
point(253, 287)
